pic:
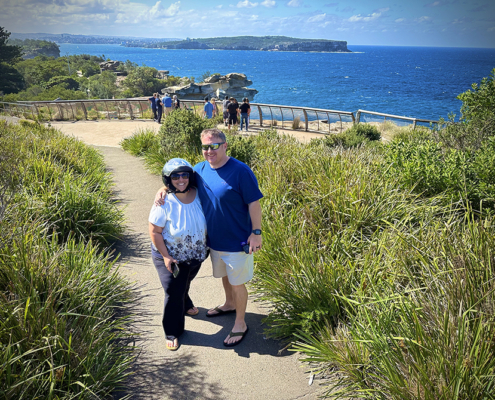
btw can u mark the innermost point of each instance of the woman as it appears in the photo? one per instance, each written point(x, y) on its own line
point(214, 104)
point(176, 103)
point(178, 234)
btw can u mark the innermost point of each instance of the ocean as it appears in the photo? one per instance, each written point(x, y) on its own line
point(420, 82)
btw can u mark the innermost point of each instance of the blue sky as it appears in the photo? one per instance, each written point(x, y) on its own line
point(455, 23)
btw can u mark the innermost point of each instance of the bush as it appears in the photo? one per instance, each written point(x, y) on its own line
point(368, 131)
point(180, 133)
point(140, 142)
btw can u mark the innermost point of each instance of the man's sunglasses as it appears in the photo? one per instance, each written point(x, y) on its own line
point(175, 177)
point(213, 146)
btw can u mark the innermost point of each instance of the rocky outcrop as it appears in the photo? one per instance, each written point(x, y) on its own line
point(109, 65)
point(219, 86)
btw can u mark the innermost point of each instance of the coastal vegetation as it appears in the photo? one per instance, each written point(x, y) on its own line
point(61, 332)
point(251, 43)
point(378, 258)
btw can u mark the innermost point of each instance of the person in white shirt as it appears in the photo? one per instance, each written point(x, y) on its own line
point(178, 234)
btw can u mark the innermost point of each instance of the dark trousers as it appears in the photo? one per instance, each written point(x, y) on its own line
point(154, 113)
point(177, 300)
point(159, 112)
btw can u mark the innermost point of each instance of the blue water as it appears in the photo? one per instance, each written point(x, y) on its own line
point(421, 82)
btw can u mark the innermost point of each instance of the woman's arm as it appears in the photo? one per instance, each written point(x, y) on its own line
point(157, 239)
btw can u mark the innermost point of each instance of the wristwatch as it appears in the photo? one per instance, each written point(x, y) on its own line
point(257, 231)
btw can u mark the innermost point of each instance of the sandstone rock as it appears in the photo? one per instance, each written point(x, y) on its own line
point(109, 65)
point(232, 85)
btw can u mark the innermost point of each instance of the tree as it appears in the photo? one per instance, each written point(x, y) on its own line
point(11, 80)
point(142, 81)
point(480, 102)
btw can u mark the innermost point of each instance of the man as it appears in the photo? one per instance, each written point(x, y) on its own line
point(245, 110)
point(159, 109)
point(152, 100)
point(229, 195)
point(208, 109)
point(233, 109)
point(167, 104)
point(225, 104)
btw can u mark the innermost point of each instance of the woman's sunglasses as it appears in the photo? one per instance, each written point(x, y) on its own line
point(175, 177)
point(213, 146)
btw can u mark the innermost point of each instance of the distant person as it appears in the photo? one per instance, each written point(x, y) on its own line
point(159, 109)
point(214, 104)
point(208, 109)
point(167, 104)
point(233, 109)
point(176, 103)
point(152, 100)
point(178, 235)
point(245, 110)
point(225, 104)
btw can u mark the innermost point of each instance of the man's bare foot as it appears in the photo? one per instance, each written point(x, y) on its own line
point(218, 310)
point(235, 337)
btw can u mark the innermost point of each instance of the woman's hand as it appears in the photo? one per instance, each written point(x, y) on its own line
point(168, 263)
point(160, 197)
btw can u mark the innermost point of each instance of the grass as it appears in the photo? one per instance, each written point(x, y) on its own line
point(62, 333)
point(385, 287)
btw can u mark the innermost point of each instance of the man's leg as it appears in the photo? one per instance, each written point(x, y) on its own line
point(240, 295)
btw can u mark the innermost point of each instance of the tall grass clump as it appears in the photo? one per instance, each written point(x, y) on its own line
point(62, 331)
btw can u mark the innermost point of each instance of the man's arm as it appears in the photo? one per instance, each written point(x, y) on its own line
point(254, 241)
point(160, 196)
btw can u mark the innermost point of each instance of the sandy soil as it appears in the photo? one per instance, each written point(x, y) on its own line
point(110, 133)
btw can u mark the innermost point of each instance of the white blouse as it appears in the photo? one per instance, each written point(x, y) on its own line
point(184, 228)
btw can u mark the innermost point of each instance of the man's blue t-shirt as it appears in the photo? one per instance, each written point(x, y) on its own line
point(153, 101)
point(167, 101)
point(209, 110)
point(225, 194)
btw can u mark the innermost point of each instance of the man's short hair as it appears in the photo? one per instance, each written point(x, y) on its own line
point(214, 132)
point(206, 98)
point(232, 98)
point(226, 97)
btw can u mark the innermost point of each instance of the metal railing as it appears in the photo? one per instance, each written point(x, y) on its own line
point(262, 115)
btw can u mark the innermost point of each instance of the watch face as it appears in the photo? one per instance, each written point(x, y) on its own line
point(257, 231)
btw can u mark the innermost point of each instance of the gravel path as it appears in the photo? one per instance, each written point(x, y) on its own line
point(202, 368)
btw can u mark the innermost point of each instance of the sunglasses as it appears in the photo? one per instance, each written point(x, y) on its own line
point(175, 177)
point(213, 146)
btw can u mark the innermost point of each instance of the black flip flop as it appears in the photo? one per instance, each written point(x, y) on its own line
point(234, 334)
point(219, 312)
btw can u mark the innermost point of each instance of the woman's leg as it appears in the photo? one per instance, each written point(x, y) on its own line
point(192, 272)
point(175, 289)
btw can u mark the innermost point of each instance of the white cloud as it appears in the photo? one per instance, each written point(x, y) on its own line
point(246, 4)
point(219, 6)
point(253, 17)
point(295, 3)
point(424, 18)
point(358, 17)
point(317, 18)
point(269, 3)
point(399, 20)
point(382, 10)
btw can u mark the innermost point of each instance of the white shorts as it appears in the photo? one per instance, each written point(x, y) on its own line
point(238, 266)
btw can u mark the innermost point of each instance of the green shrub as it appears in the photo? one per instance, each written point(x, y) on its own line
point(347, 139)
point(241, 148)
point(140, 142)
point(180, 133)
point(365, 130)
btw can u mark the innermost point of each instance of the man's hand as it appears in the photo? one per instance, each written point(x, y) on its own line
point(160, 197)
point(168, 263)
point(254, 242)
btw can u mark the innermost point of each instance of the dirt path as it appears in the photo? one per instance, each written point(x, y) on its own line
point(202, 368)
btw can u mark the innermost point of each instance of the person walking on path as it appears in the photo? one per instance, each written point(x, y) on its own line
point(159, 109)
point(225, 104)
point(152, 100)
point(178, 234)
point(233, 109)
point(207, 109)
point(167, 104)
point(245, 110)
point(214, 104)
point(230, 197)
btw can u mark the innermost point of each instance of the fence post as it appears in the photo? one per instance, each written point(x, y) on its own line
point(306, 122)
point(414, 124)
point(130, 109)
point(261, 116)
point(358, 117)
point(85, 111)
